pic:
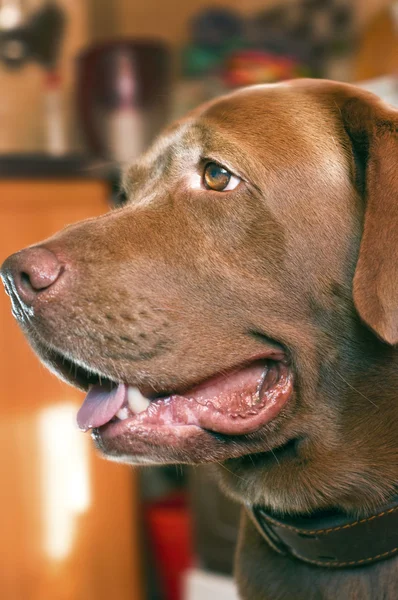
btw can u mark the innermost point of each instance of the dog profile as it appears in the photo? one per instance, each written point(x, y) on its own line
point(241, 308)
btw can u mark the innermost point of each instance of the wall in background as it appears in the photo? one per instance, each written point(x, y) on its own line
point(166, 19)
point(163, 19)
point(21, 102)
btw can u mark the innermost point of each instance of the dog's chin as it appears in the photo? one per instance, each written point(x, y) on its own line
point(224, 416)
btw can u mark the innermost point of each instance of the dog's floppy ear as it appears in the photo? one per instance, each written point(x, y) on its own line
point(372, 127)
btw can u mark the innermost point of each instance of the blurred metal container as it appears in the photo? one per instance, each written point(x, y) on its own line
point(123, 90)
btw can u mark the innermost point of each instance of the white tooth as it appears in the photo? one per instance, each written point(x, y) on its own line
point(137, 402)
point(122, 413)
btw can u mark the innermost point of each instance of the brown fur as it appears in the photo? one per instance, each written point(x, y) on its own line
point(180, 284)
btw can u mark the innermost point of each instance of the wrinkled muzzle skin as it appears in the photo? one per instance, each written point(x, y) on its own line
point(183, 282)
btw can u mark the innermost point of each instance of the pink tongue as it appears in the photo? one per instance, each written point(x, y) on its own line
point(100, 406)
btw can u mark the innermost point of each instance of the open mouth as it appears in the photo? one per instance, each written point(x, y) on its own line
point(237, 402)
point(219, 418)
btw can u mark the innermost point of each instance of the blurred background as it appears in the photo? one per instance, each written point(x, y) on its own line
point(85, 85)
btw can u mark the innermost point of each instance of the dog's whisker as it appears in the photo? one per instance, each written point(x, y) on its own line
point(229, 471)
point(116, 370)
point(274, 455)
point(252, 459)
point(356, 390)
point(167, 309)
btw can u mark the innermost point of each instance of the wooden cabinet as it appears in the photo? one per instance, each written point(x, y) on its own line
point(68, 517)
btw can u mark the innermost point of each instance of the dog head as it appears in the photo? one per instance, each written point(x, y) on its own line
point(241, 307)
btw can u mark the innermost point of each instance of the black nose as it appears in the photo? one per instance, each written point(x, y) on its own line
point(29, 272)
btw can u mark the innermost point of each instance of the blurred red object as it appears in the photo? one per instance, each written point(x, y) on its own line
point(169, 524)
point(249, 67)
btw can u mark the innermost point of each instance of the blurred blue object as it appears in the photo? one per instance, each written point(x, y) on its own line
point(216, 28)
point(311, 31)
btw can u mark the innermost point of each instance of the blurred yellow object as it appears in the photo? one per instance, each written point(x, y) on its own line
point(377, 52)
point(68, 518)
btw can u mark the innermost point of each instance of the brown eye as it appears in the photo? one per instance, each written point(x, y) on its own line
point(216, 177)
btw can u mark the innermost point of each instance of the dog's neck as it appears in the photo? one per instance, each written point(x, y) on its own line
point(263, 573)
point(331, 539)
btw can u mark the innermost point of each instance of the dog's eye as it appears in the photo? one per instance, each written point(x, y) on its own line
point(217, 178)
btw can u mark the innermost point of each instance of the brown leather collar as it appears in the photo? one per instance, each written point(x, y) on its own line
point(332, 539)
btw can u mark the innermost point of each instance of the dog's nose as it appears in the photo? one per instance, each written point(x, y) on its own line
point(29, 272)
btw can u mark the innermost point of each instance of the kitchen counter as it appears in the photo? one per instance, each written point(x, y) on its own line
point(45, 166)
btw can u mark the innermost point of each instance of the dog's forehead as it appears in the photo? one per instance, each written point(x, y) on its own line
point(234, 117)
point(273, 126)
point(271, 118)
point(183, 142)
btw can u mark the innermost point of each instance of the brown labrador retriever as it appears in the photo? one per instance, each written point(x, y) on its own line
point(241, 308)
